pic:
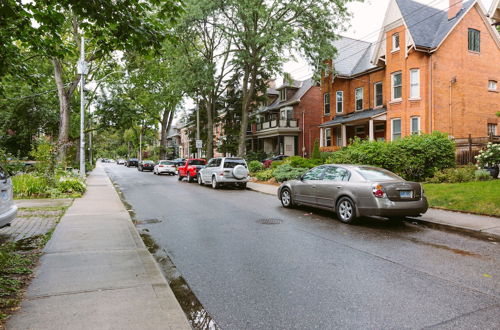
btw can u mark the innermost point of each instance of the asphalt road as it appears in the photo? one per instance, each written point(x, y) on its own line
point(311, 271)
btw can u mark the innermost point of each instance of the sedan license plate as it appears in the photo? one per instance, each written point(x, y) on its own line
point(406, 194)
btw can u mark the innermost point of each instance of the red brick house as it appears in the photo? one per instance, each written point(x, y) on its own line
point(287, 124)
point(429, 70)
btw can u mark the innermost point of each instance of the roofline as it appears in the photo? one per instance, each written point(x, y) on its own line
point(495, 4)
point(482, 13)
point(378, 68)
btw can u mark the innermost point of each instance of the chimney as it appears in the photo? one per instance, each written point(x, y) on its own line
point(454, 9)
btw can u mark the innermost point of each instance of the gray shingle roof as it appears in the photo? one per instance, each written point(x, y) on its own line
point(303, 86)
point(353, 116)
point(428, 25)
point(353, 56)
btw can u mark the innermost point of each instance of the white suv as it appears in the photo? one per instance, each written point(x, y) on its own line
point(224, 171)
point(8, 209)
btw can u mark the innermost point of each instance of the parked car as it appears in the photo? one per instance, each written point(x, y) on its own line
point(165, 166)
point(146, 165)
point(8, 210)
point(224, 171)
point(132, 162)
point(191, 168)
point(120, 161)
point(354, 191)
point(267, 162)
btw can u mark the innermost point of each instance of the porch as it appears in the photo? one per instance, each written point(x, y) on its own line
point(367, 124)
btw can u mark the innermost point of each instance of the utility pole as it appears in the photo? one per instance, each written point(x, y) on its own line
point(82, 70)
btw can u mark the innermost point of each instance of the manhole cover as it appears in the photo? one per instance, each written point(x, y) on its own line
point(270, 221)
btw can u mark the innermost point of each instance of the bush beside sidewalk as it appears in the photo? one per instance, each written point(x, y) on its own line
point(97, 273)
point(465, 222)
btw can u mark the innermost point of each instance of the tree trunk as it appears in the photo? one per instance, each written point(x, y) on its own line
point(210, 128)
point(164, 133)
point(64, 110)
point(249, 80)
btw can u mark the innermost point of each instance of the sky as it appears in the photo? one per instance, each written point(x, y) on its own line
point(365, 25)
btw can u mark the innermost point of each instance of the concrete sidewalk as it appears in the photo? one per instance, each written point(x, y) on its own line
point(465, 222)
point(96, 272)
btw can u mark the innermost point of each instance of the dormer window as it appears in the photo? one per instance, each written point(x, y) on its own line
point(283, 95)
point(395, 42)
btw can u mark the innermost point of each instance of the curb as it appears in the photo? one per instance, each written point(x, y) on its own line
point(436, 225)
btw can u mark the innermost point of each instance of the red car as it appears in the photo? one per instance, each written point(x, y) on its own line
point(267, 162)
point(191, 168)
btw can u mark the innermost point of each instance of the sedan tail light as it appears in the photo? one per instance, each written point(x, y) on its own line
point(378, 191)
point(160, 165)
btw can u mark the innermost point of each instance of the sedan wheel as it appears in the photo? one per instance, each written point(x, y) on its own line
point(346, 210)
point(179, 178)
point(200, 182)
point(286, 198)
point(215, 184)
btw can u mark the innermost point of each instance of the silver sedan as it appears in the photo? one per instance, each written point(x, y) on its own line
point(354, 191)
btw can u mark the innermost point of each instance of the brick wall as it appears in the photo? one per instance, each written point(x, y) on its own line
point(311, 105)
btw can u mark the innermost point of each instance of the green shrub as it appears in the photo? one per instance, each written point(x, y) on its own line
point(264, 175)
point(415, 157)
point(297, 161)
point(316, 154)
point(255, 166)
point(29, 185)
point(276, 163)
point(454, 175)
point(70, 185)
point(482, 175)
point(288, 172)
point(256, 155)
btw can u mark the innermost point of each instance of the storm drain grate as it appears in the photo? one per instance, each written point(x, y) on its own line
point(270, 221)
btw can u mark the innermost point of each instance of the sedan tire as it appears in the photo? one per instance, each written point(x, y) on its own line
point(286, 198)
point(346, 210)
point(179, 178)
point(215, 184)
point(200, 182)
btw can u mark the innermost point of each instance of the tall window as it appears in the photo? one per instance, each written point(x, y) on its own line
point(397, 86)
point(326, 103)
point(396, 129)
point(492, 129)
point(328, 137)
point(283, 94)
point(415, 125)
point(338, 135)
point(414, 84)
point(378, 94)
point(474, 40)
point(340, 101)
point(395, 41)
point(358, 92)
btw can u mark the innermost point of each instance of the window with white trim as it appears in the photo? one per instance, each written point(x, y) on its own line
point(492, 129)
point(359, 130)
point(414, 84)
point(415, 125)
point(340, 102)
point(379, 128)
point(378, 94)
point(395, 42)
point(358, 93)
point(283, 94)
point(395, 129)
point(492, 85)
point(474, 40)
point(328, 137)
point(397, 86)
point(326, 103)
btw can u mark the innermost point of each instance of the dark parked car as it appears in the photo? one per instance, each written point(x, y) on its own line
point(354, 191)
point(146, 165)
point(132, 162)
point(267, 162)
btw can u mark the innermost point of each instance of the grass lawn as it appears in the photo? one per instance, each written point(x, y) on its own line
point(482, 197)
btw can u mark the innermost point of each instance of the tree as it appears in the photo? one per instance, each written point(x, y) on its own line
point(262, 31)
point(53, 29)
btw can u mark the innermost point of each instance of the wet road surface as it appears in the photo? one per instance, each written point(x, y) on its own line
point(255, 265)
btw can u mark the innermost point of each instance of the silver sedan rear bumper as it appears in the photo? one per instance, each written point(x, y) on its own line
point(384, 207)
point(8, 216)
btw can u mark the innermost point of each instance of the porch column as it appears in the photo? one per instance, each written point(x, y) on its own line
point(321, 137)
point(344, 134)
point(371, 133)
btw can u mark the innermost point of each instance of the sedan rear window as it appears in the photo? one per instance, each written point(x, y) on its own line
point(148, 162)
point(196, 162)
point(377, 174)
point(167, 163)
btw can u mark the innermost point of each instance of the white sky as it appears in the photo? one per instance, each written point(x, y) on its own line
point(365, 25)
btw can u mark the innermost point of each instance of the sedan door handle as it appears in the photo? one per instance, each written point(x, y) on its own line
point(314, 187)
point(339, 187)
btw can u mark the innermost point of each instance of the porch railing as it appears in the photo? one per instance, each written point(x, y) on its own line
point(282, 123)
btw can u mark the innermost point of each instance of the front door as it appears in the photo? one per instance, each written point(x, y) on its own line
point(305, 189)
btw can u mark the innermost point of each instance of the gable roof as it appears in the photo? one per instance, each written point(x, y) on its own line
point(303, 87)
point(353, 56)
point(427, 25)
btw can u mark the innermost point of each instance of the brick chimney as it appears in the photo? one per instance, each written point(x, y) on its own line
point(455, 7)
